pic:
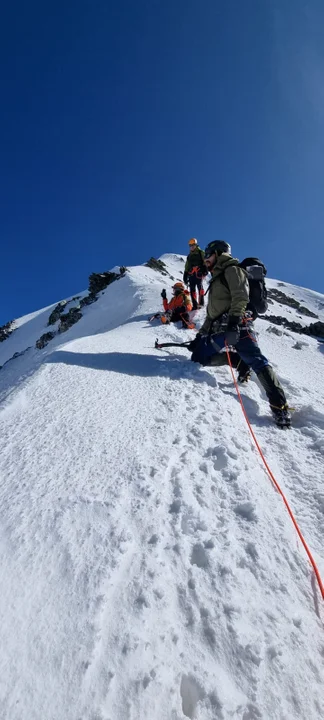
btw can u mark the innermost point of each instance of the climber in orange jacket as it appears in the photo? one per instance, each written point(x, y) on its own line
point(179, 306)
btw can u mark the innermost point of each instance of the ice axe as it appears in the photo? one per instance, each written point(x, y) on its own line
point(158, 345)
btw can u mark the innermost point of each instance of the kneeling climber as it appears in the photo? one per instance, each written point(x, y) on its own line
point(179, 306)
point(229, 324)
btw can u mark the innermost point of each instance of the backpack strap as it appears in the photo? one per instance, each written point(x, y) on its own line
point(223, 280)
point(201, 258)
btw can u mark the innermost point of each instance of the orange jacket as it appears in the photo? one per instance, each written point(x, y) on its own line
point(178, 301)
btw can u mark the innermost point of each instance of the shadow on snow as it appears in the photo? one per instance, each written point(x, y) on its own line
point(135, 364)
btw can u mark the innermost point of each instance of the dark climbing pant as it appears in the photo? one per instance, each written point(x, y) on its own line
point(182, 314)
point(209, 352)
point(195, 283)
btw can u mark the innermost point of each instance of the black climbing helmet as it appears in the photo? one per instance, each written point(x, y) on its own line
point(218, 247)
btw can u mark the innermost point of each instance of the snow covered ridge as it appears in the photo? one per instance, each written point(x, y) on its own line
point(61, 316)
point(66, 313)
point(149, 569)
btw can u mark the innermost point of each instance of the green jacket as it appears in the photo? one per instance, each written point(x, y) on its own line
point(194, 259)
point(222, 299)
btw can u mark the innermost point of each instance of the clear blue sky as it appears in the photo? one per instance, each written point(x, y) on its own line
point(127, 127)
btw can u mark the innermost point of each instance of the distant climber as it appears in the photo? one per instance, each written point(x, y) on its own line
point(179, 306)
point(194, 272)
point(229, 322)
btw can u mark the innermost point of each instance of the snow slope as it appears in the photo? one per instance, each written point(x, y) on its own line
point(149, 569)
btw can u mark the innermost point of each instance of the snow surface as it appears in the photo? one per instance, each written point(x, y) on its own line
point(149, 569)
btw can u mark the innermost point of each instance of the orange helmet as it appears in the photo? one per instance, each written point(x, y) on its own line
point(192, 242)
point(178, 287)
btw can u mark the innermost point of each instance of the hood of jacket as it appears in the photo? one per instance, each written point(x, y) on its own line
point(223, 261)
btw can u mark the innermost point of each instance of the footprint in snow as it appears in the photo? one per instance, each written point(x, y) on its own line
point(252, 712)
point(246, 511)
point(199, 495)
point(219, 456)
point(191, 524)
point(209, 632)
point(203, 467)
point(186, 606)
point(251, 550)
point(153, 539)
point(199, 556)
point(191, 693)
point(175, 507)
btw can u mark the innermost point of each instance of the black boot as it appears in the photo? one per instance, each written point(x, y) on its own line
point(275, 395)
point(244, 371)
point(281, 416)
point(201, 301)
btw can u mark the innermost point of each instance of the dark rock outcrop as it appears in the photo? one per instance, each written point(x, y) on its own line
point(57, 312)
point(15, 355)
point(44, 340)
point(88, 300)
point(6, 330)
point(157, 265)
point(284, 299)
point(99, 281)
point(69, 319)
point(314, 329)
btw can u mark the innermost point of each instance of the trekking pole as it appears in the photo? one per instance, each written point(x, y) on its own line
point(158, 345)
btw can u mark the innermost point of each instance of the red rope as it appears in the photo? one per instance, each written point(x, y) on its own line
point(276, 484)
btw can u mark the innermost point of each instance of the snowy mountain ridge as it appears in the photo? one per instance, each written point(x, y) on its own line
point(149, 568)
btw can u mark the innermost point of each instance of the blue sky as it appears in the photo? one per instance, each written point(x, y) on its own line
point(128, 127)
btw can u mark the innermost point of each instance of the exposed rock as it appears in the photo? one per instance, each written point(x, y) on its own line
point(275, 330)
point(15, 355)
point(299, 345)
point(56, 313)
point(88, 300)
point(280, 320)
point(305, 311)
point(314, 329)
point(99, 281)
point(157, 265)
point(284, 299)
point(6, 330)
point(123, 269)
point(69, 319)
point(44, 340)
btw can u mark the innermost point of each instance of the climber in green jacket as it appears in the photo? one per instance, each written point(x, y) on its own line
point(194, 272)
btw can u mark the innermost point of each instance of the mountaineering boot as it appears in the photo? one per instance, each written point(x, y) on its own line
point(275, 395)
point(244, 375)
point(186, 322)
point(281, 416)
point(244, 370)
point(165, 318)
point(201, 301)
